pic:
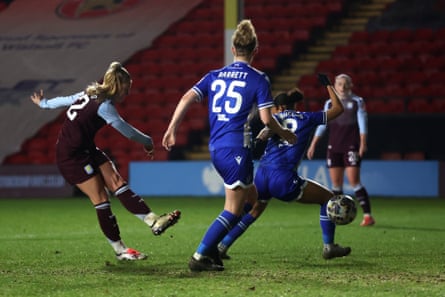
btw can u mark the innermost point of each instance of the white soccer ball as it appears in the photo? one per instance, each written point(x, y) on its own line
point(341, 209)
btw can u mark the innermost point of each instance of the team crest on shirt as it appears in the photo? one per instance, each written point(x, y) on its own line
point(81, 9)
point(238, 159)
point(88, 169)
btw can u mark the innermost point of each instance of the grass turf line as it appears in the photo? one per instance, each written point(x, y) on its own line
point(51, 247)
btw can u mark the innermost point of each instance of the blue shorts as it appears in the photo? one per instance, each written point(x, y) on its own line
point(285, 185)
point(234, 165)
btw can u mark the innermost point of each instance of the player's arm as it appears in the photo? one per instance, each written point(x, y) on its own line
point(336, 108)
point(169, 139)
point(53, 103)
point(362, 119)
point(317, 135)
point(271, 123)
point(109, 113)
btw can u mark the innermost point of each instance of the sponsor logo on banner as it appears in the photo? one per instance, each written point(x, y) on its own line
point(61, 46)
point(29, 181)
point(77, 9)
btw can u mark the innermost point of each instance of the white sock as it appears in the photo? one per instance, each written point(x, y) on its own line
point(118, 246)
point(197, 256)
point(150, 219)
point(328, 245)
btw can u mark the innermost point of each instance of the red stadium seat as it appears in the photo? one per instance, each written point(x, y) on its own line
point(438, 105)
point(406, 35)
point(359, 37)
point(414, 156)
point(314, 105)
point(382, 36)
point(308, 80)
point(424, 34)
point(17, 158)
point(344, 51)
point(395, 105)
point(419, 105)
point(376, 106)
point(391, 156)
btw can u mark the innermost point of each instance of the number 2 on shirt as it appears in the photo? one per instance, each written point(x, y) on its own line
point(71, 113)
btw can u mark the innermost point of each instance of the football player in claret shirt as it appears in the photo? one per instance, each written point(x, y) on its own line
point(347, 144)
point(232, 92)
point(82, 164)
point(277, 175)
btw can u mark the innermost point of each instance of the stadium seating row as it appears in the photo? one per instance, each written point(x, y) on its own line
point(162, 72)
point(408, 35)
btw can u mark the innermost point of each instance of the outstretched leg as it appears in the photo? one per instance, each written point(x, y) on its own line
point(95, 190)
point(319, 194)
point(330, 249)
point(137, 206)
point(134, 203)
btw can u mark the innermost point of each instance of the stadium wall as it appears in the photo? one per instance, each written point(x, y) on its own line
point(410, 179)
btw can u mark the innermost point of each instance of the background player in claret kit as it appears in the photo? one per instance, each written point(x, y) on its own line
point(347, 144)
point(232, 92)
point(83, 164)
point(277, 174)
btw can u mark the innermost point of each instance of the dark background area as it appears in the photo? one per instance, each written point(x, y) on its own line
point(401, 133)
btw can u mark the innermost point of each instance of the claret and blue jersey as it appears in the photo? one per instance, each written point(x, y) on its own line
point(345, 130)
point(232, 91)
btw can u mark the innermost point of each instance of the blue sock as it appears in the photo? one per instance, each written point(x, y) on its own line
point(327, 227)
point(238, 230)
point(219, 228)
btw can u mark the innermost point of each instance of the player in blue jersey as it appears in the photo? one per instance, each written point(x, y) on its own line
point(82, 164)
point(232, 91)
point(277, 174)
point(347, 144)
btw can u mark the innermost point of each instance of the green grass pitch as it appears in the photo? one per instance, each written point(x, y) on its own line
point(53, 247)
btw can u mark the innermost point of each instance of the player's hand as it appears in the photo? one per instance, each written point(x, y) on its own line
point(264, 134)
point(310, 152)
point(37, 97)
point(149, 149)
point(168, 140)
point(324, 79)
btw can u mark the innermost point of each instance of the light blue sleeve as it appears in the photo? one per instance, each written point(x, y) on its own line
point(362, 117)
point(108, 112)
point(58, 102)
point(322, 128)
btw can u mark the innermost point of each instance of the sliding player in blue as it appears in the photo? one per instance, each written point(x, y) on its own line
point(277, 170)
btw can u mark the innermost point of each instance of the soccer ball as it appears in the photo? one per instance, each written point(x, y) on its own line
point(341, 209)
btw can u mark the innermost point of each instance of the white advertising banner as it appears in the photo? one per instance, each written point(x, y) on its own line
point(61, 46)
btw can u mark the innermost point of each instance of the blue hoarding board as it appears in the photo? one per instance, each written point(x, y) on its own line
point(199, 178)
